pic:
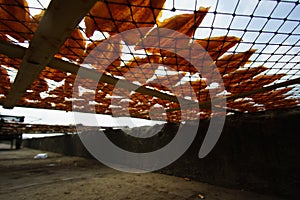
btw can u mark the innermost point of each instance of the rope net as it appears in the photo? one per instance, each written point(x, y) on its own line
point(254, 45)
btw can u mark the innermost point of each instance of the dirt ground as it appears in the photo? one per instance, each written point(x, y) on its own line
point(63, 177)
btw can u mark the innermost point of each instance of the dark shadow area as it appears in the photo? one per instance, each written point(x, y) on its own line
point(256, 152)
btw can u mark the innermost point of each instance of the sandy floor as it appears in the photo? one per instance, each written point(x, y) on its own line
point(61, 177)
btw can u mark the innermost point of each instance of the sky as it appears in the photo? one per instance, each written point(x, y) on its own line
point(243, 8)
point(56, 117)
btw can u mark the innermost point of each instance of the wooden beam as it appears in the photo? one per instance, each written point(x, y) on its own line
point(94, 75)
point(12, 50)
point(16, 51)
point(57, 24)
point(208, 105)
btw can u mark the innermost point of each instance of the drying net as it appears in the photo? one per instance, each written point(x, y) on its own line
point(253, 43)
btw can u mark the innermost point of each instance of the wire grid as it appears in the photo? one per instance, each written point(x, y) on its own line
point(253, 44)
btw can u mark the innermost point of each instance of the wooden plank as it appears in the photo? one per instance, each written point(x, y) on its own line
point(57, 24)
point(15, 51)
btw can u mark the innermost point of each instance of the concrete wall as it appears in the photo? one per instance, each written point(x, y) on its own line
point(258, 153)
point(70, 145)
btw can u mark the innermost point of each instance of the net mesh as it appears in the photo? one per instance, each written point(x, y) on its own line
point(254, 45)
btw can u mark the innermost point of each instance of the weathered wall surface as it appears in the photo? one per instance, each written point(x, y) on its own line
point(67, 144)
point(255, 152)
